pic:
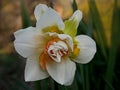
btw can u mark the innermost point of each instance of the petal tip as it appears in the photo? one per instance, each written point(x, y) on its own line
point(76, 17)
point(40, 9)
point(77, 14)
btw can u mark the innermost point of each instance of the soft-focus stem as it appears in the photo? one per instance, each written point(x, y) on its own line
point(74, 5)
point(37, 85)
point(113, 48)
point(87, 81)
point(51, 85)
point(85, 77)
point(99, 27)
point(110, 67)
point(56, 85)
point(42, 85)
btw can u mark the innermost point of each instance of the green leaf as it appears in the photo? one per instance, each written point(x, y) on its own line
point(98, 27)
point(84, 69)
point(25, 16)
point(108, 84)
point(74, 5)
point(115, 37)
point(82, 28)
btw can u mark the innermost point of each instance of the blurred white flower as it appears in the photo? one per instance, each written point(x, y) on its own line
point(52, 47)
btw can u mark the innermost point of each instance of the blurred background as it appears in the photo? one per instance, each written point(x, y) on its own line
point(101, 21)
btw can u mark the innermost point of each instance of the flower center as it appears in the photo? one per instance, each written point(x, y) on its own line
point(75, 52)
point(57, 50)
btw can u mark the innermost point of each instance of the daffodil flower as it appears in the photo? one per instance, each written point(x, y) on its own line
point(52, 47)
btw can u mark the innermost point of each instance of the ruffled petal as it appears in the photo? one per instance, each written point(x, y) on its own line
point(33, 71)
point(87, 49)
point(57, 50)
point(40, 10)
point(50, 18)
point(68, 40)
point(64, 37)
point(62, 72)
point(24, 42)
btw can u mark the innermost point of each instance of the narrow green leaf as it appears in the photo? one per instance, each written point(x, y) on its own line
point(85, 76)
point(74, 85)
point(82, 28)
point(51, 4)
point(74, 5)
point(25, 16)
point(44, 84)
point(115, 37)
point(37, 85)
point(89, 31)
point(59, 87)
point(98, 27)
point(108, 84)
point(78, 76)
point(51, 84)
point(86, 28)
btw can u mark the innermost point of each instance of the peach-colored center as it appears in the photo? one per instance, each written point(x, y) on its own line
point(44, 57)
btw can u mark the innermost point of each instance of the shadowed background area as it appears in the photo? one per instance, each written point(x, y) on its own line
point(101, 21)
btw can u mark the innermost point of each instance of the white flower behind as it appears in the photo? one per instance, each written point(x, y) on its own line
point(52, 47)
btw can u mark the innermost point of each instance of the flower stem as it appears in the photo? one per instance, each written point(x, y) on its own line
point(85, 77)
point(42, 85)
point(87, 82)
point(100, 32)
point(56, 85)
point(111, 58)
point(37, 85)
point(114, 44)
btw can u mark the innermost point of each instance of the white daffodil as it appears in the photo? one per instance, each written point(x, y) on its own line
point(52, 47)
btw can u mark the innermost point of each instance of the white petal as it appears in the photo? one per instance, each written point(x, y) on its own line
point(24, 41)
point(62, 72)
point(87, 49)
point(50, 18)
point(40, 10)
point(33, 71)
point(77, 16)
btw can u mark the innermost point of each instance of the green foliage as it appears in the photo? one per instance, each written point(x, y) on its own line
point(10, 73)
point(74, 5)
point(115, 37)
point(101, 40)
point(25, 16)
